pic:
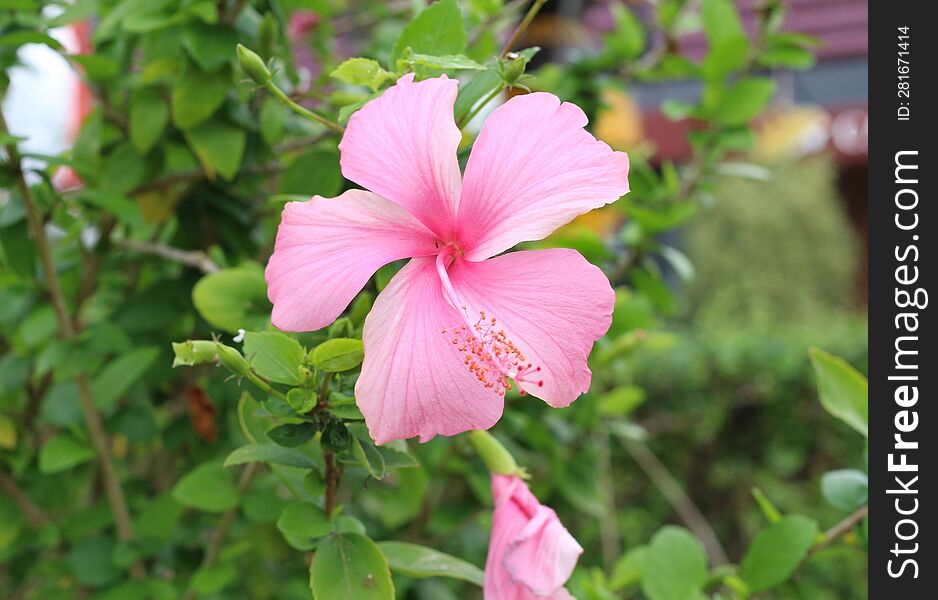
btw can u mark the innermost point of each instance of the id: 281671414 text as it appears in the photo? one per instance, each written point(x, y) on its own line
point(903, 85)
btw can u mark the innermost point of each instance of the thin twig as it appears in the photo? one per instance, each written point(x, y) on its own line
point(332, 482)
point(99, 437)
point(522, 27)
point(842, 528)
point(221, 531)
point(192, 258)
point(35, 515)
point(671, 489)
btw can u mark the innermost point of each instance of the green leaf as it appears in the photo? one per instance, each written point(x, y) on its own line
point(219, 145)
point(232, 299)
point(776, 552)
point(721, 21)
point(677, 109)
point(271, 454)
point(211, 46)
point(350, 567)
point(674, 566)
point(437, 30)
point(149, 115)
point(209, 488)
point(621, 401)
point(744, 100)
point(789, 49)
point(18, 4)
point(628, 569)
point(96, 66)
point(846, 489)
point(292, 435)
point(314, 173)
point(369, 457)
point(340, 354)
point(272, 120)
point(362, 71)
point(62, 453)
point(723, 28)
point(275, 356)
point(92, 561)
point(197, 94)
point(456, 62)
point(116, 377)
point(336, 436)
point(19, 38)
point(842, 389)
point(629, 38)
point(792, 57)
point(301, 523)
point(419, 562)
point(124, 169)
point(213, 579)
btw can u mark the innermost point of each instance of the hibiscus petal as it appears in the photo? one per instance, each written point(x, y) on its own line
point(544, 554)
point(402, 146)
point(328, 248)
point(552, 304)
point(533, 169)
point(413, 380)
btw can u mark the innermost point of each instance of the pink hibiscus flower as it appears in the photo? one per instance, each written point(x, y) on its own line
point(531, 554)
point(455, 327)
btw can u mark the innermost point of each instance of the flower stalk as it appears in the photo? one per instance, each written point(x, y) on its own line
point(496, 457)
point(253, 65)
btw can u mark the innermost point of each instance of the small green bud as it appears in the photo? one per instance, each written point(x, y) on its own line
point(513, 67)
point(305, 374)
point(194, 352)
point(253, 65)
point(232, 360)
point(495, 456)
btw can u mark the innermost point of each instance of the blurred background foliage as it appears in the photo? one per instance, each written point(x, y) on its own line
point(148, 218)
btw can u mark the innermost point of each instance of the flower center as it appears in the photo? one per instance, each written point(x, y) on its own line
point(487, 351)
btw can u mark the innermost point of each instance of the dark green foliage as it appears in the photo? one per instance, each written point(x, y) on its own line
point(776, 251)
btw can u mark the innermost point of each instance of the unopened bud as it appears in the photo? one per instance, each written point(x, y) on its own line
point(253, 65)
point(513, 67)
point(232, 360)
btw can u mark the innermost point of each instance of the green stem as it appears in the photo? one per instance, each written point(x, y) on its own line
point(523, 26)
point(273, 89)
point(263, 385)
point(842, 528)
point(478, 107)
point(323, 395)
point(496, 457)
